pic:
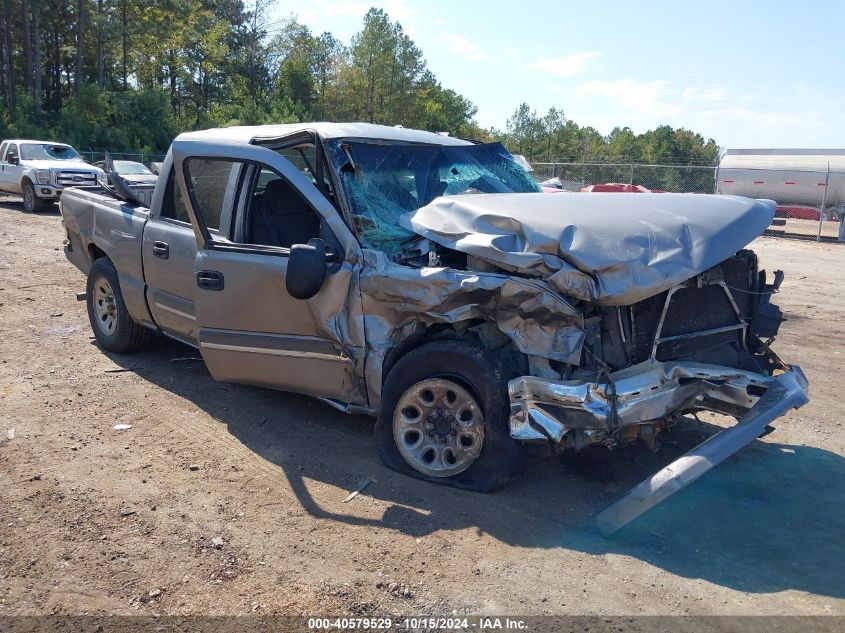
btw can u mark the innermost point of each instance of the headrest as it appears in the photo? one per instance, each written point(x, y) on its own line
point(282, 199)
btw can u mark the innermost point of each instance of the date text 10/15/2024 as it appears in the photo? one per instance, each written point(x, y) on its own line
point(417, 623)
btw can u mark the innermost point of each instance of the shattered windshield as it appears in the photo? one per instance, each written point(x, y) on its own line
point(46, 151)
point(383, 181)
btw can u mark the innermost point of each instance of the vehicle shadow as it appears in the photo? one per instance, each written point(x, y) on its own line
point(766, 520)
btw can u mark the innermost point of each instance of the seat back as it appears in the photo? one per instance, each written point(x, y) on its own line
point(283, 218)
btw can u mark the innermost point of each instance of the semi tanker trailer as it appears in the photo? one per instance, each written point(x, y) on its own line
point(788, 176)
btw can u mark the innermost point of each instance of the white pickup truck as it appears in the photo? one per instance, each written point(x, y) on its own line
point(39, 171)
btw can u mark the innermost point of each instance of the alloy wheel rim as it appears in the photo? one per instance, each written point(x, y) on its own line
point(438, 427)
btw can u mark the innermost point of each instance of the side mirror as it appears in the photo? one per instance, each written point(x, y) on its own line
point(306, 269)
point(13, 159)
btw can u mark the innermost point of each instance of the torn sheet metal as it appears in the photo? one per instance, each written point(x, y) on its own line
point(611, 249)
point(786, 391)
point(543, 410)
point(398, 298)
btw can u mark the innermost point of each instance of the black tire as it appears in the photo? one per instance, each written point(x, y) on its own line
point(485, 377)
point(31, 202)
point(124, 335)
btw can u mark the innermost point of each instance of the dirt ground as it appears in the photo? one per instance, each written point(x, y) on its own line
point(226, 499)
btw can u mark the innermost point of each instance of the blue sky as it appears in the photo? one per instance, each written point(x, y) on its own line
point(748, 74)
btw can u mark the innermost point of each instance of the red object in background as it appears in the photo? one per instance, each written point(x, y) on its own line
point(797, 212)
point(617, 187)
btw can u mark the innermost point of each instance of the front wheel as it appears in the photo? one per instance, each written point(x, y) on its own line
point(444, 417)
point(113, 327)
point(31, 202)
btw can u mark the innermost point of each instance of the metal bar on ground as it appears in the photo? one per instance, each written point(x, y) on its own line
point(787, 391)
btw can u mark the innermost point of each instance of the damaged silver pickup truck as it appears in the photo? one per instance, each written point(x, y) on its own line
point(427, 280)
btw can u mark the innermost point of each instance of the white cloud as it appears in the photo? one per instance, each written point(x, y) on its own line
point(357, 9)
point(463, 47)
point(307, 16)
point(565, 65)
point(707, 94)
point(733, 119)
point(653, 97)
point(398, 10)
point(657, 94)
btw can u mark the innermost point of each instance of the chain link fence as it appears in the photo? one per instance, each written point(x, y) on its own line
point(810, 204)
point(97, 155)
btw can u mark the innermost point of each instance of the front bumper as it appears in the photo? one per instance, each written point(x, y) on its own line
point(577, 413)
point(54, 192)
point(563, 411)
point(47, 192)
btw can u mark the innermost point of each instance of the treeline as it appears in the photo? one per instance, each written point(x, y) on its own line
point(130, 75)
point(551, 137)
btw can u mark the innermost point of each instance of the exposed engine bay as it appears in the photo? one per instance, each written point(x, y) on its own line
point(646, 365)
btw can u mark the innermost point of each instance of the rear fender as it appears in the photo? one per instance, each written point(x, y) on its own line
point(98, 226)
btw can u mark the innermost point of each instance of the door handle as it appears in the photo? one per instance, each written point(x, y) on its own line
point(210, 280)
point(161, 250)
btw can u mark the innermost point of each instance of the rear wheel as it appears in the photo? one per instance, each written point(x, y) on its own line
point(444, 417)
point(113, 327)
point(31, 202)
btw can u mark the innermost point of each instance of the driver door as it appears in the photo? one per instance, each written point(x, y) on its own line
point(249, 329)
point(11, 172)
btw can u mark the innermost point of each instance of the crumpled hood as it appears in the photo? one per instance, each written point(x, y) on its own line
point(608, 248)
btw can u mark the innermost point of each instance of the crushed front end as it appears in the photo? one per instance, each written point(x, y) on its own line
point(703, 345)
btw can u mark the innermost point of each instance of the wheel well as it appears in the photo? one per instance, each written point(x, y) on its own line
point(472, 331)
point(96, 252)
point(417, 337)
point(25, 181)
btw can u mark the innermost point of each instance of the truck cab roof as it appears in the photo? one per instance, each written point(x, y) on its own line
point(326, 130)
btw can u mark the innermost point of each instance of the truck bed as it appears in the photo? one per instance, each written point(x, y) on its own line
point(98, 224)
